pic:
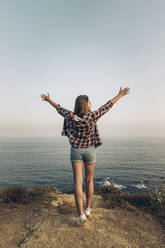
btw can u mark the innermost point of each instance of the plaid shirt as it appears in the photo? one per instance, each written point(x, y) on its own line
point(83, 132)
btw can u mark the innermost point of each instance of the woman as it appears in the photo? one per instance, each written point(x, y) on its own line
point(80, 127)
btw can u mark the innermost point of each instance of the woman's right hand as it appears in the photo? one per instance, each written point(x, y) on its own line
point(45, 97)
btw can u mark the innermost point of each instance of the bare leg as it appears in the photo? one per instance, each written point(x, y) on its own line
point(89, 172)
point(78, 180)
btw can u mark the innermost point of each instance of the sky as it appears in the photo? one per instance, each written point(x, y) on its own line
point(74, 47)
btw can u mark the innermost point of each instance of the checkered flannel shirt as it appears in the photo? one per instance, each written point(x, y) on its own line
point(83, 132)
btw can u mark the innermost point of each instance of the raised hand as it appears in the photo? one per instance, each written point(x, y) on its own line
point(124, 91)
point(45, 97)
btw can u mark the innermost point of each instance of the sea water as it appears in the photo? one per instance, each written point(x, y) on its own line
point(129, 163)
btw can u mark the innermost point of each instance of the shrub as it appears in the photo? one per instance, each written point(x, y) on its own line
point(118, 198)
point(157, 195)
point(16, 194)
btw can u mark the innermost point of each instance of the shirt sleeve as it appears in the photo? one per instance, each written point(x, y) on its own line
point(101, 111)
point(62, 111)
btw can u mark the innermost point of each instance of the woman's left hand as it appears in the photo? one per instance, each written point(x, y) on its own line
point(124, 91)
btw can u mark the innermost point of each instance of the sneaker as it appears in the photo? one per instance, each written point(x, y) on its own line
point(88, 212)
point(81, 220)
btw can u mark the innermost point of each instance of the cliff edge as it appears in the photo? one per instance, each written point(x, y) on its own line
point(50, 220)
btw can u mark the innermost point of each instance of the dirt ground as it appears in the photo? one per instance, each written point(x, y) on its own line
point(51, 223)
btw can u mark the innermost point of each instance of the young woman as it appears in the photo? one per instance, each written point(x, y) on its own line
point(80, 127)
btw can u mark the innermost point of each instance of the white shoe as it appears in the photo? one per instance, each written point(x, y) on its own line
point(81, 220)
point(88, 212)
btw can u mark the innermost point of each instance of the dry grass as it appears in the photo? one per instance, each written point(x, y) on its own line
point(19, 194)
point(16, 194)
point(119, 220)
point(118, 198)
point(143, 202)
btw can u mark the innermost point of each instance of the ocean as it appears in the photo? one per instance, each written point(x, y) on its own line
point(129, 163)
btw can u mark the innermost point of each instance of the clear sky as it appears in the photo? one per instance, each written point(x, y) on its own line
point(73, 47)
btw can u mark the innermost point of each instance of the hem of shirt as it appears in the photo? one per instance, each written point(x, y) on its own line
point(82, 146)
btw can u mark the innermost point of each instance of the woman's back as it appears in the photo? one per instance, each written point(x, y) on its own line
point(83, 132)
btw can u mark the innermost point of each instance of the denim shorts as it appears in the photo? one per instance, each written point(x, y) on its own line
point(84, 154)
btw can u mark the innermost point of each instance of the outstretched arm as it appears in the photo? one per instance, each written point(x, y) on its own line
point(105, 108)
point(49, 100)
point(62, 111)
point(120, 94)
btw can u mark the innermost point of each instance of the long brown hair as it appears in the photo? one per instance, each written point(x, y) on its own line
point(81, 105)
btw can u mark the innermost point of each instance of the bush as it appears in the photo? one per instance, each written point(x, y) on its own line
point(118, 198)
point(157, 195)
point(16, 194)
